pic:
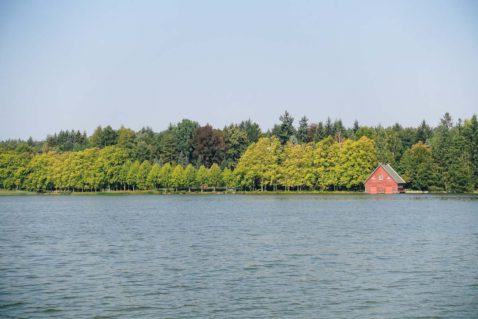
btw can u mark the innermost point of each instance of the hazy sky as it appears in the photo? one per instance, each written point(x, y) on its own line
point(79, 64)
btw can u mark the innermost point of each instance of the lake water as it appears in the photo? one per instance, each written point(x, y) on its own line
point(357, 256)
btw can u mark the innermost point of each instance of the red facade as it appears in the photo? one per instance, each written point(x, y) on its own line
point(382, 182)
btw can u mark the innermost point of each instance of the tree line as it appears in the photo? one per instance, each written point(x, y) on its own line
point(187, 156)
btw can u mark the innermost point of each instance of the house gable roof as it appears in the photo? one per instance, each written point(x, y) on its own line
point(397, 178)
point(390, 171)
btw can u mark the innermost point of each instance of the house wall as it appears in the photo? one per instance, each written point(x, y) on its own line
point(376, 186)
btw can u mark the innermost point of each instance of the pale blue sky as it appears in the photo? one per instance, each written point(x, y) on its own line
point(79, 64)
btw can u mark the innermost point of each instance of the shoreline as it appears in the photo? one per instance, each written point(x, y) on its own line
point(207, 193)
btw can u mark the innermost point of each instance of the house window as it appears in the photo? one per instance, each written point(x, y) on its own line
point(380, 177)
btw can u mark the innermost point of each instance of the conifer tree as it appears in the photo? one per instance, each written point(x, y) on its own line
point(165, 175)
point(302, 134)
point(215, 176)
point(190, 177)
point(202, 177)
point(153, 179)
point(229, 178)
point(417, 167)
point(178, 178)
point(133, 175)
point(142, 177)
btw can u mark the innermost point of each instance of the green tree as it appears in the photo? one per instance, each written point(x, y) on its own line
point(441, 146)
point(110, 162)
point(65, 141)
point(104, 137)
point(326, 161)
point(38, 176)
point(169, 151)
point(302, 132)
point(384, 153)
point(319, 132)
point(123, 174)
point(338, 131)
point(153, 179)
point(355, 162)
point(236, 142)
point(165, 176)
point(178, 178)
point(190, 177)
point(460, 165)
point(260, 163)
point(184, 132)
point(142, 177)
point(329, 128)
point(10, 163)
point(202, 177)
point(424, 132)
point(297, 169)
point(229, 178)
point(126, 138)
point(417, 167)
point(215, 176)
point(364, 131)
point(285, 130)
point(90, 176)
point(147, 145)
point(252, 129)
point(133, 174)
point(470, 135)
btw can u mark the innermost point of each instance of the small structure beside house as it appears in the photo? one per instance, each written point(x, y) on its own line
point(384, 180)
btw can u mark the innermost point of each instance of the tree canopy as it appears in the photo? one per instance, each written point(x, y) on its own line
point(314, 156)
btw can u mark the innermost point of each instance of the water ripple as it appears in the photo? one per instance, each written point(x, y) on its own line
point(239, 257)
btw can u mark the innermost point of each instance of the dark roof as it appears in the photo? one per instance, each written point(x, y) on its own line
point(393, 173)
point(390, 171)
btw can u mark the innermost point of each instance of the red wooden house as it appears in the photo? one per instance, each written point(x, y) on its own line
point(384, 180)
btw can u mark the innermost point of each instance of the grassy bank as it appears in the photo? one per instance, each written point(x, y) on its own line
point(4, 192)
point(171, 192)
point(195, 192)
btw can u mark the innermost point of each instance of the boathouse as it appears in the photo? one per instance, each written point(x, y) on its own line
point(384, 180)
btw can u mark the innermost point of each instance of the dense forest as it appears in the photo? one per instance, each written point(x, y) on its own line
point(310, 156)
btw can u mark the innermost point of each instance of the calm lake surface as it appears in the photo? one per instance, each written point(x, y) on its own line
point(356, 256)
